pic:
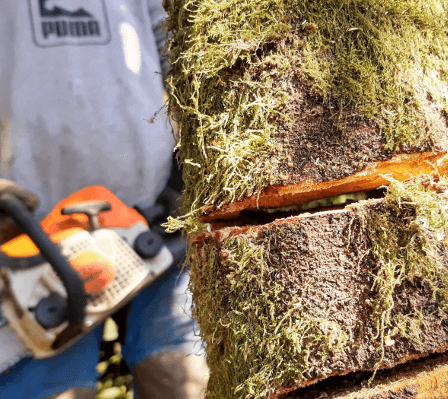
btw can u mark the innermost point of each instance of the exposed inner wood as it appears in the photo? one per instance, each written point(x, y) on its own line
point(374, 175)
point(419, 379)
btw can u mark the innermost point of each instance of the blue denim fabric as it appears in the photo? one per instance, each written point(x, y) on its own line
point(157, 321)
point(37, 379)
point(164, 307)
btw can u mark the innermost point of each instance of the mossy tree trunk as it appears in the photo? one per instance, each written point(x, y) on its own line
point(274, 92)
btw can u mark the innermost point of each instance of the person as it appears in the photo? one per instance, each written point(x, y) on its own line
point(79, 80)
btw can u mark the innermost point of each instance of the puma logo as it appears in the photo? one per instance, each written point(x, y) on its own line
point(72, 22)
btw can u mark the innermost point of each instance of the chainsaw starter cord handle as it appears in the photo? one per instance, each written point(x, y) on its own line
point(76, 297)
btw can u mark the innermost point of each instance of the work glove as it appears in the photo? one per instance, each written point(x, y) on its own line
point(8, 228)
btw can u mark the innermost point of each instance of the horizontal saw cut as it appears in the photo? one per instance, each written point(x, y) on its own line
point(376, 174)
point(286, 101)
point(298, 300)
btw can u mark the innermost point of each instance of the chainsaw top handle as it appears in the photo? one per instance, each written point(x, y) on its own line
point(74, 286)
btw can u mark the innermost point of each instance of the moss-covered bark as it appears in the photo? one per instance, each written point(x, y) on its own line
point(303, 298)
point(275, 92)
point(238, 68)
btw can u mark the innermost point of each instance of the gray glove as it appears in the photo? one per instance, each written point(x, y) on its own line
point(8, 228)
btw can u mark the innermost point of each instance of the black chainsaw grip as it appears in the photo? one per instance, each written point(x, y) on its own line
point(74, 286)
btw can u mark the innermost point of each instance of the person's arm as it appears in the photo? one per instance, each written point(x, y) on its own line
point(158, 15)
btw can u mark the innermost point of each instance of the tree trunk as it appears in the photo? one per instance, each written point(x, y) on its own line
point(301, 299)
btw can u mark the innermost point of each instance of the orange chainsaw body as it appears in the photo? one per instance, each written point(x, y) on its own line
point(100, 248)
point(60, 227)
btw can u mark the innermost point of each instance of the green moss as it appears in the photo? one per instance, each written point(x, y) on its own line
point(260, 335)
point(253, 343)
point(406, 232)
point(232, 59)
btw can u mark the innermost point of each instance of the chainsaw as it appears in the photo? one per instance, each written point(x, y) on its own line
point(87, 259)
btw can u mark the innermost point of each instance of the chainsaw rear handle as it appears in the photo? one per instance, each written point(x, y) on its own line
point(74, 286)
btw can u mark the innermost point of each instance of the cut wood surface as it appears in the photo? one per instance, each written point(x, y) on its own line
point(422, 379)
point(298, 300)
point(373, 176)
